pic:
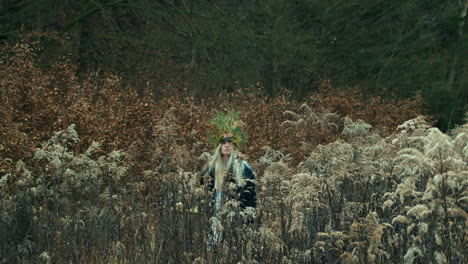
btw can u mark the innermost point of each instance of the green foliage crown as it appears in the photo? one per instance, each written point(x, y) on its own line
point(222, 125)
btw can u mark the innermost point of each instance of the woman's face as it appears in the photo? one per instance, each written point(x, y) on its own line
point(226, 148)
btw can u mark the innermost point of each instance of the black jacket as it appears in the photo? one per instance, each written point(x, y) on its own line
point(246, 194)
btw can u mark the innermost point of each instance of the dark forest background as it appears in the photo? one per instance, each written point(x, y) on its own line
point(392, 47)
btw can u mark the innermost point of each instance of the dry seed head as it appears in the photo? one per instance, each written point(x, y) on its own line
point(465, 153)
point(337, 235)
point(56, 163)
point(346, 257)
point(339, 243)
point(231, 216)
point(411, 161)
point(216, 224)
point(69, 173)
point(463, 200)
point(379, 150)
point(248, 214)
point(355, 129)
point(331, 119)
point(430, 190)
point(410, 228)
point(277, 168)
point(412, 254)
point(320, 244)
point(116, 155)
point(440, 258)
point(423, 228)
point(438, 238)
point(65, 136)
point(413, 124)
point(457, 212)
point(306, 109)
point(285, 260)
point(460, 143)
point(290, 115)
point(406, 189)
point(298, 228)
point(301, 123)
point(371, 218)
point(323, 235)
point(4, 180)
point(205, 156)
point(119, 173)
point(270, 239)
point(437, 180)
point(45, 257)
point(41, 154)
point(390, 195)
point(400, 219)
point(438, 145)
point(419, 211)
point(271, 156)
point(92, 148)
point(388, 204)
point(250, 248)
point(289, 124)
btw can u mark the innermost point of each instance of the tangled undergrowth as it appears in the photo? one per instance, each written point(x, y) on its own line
point(35, 102)
point(121, 183)
point(361, 199)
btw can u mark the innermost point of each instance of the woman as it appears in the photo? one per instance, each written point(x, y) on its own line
point(230, 177)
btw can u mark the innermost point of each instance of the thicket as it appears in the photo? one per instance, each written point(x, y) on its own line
point(36, 101)
point(338, 179)
point(405, 46)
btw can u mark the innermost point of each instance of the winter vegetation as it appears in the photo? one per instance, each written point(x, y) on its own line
point(96, 171)
point(406, 47)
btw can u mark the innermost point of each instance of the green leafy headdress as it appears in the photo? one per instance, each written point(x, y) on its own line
point(227, 126)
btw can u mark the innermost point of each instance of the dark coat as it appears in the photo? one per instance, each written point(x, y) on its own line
point(247, 194)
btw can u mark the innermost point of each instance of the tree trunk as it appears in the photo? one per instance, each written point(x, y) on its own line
point(453, 66)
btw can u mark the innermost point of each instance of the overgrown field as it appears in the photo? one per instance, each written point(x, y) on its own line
point(92, 171)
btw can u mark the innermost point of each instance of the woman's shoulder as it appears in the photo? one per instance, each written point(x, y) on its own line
point(207, 170)
point(248, 171)
point(245, 164)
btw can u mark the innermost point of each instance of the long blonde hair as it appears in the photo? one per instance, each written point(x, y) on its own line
point(220, 169)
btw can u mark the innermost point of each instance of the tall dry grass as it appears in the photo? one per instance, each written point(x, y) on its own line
point(363, 199)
